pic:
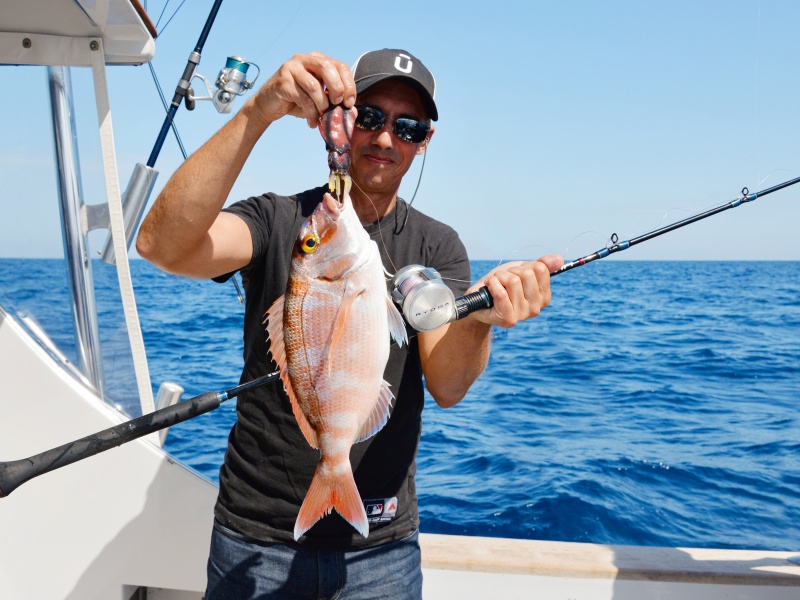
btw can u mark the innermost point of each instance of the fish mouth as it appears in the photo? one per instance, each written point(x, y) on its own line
point(331, 207)
point(327, 214)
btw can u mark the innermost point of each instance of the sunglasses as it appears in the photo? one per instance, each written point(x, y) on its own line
point(409, 130)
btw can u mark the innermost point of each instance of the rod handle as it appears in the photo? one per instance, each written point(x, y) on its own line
point(15, 473)
point(469, 303)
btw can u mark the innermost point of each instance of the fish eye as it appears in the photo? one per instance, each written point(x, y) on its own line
point(309, 243)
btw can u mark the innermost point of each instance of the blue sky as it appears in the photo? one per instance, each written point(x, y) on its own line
point(560, 122)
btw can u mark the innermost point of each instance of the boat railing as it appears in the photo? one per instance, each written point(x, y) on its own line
point(76, 252)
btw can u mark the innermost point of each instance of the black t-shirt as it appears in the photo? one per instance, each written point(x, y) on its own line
point(269, 465)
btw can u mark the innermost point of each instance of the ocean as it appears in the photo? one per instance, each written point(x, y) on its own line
point(653, 403)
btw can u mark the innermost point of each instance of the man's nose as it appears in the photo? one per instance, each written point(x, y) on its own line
point(384, 138)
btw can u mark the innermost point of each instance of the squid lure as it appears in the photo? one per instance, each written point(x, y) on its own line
point(336, 127)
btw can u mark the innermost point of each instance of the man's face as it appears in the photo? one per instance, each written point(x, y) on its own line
point(380, 158)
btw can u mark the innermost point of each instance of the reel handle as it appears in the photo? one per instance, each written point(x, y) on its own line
point(468, 304)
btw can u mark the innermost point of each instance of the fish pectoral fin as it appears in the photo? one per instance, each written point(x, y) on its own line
point(397, 326)
point(351, 292)
point(274, 321)
point(379, 416)
point(332, 489)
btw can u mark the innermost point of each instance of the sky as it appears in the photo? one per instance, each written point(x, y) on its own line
point(560, 124)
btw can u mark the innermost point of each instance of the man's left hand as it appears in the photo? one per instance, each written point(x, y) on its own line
point(520, 290)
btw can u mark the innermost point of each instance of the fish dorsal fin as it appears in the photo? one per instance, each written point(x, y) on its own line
point(397, 327)
point(274, 321)
point(379, 416)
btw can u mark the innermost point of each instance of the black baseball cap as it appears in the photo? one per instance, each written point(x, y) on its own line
point(375, 66)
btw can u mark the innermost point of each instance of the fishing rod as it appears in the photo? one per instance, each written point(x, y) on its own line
point(15, 473)
point(427, 303)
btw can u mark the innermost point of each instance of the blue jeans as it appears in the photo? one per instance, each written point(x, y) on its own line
point(240, 568)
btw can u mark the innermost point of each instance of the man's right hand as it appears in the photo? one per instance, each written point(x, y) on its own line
point(305, 86)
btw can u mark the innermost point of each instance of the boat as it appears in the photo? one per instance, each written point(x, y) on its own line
point(134, 522)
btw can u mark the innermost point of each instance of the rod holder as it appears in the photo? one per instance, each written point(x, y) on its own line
point(168, 394)
point(134, 201)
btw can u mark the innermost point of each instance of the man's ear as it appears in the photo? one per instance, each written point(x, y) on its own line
point(424, 143)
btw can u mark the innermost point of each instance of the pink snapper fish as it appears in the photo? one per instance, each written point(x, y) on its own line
point(329, 335)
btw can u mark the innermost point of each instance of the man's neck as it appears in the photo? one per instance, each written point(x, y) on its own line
point(372, 207)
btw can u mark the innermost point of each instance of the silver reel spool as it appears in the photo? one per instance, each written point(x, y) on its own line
point(426, 302)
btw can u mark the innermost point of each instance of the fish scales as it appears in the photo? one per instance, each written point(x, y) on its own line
point(346, 377)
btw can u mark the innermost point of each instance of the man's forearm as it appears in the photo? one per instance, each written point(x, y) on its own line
point(187, 207)
point(453, 360)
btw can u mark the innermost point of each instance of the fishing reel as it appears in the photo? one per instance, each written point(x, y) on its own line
point(427, 303)
point(231, 82)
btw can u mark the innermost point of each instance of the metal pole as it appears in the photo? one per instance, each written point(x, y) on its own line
point(79, 268)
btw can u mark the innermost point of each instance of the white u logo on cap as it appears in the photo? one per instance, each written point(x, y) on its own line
point(399, 67)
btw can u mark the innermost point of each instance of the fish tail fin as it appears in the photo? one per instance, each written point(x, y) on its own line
point(332, 489)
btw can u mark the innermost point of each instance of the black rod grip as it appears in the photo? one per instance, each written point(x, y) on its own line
point(15, 473)
point(468, 304)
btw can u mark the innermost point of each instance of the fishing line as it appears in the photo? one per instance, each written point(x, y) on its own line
point(172, 17)
point(771, 173)
point(758, 87)
point(482, 298)
point(277, 37)
point(166, 109)
point(603, 237)
point(163, 10)
point(408, 210)
point(660, 222)
point(706, 208)
point(509, 257)
point(380, 224)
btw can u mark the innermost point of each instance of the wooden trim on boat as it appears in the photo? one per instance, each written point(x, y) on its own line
point(145, 18)
point(642, 563)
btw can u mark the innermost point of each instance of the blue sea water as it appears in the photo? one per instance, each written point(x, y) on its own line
point(653, 403)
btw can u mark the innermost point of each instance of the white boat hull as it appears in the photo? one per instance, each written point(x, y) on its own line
point(101, 528)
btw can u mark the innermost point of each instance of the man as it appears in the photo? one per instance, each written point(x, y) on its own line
point(269, 465)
